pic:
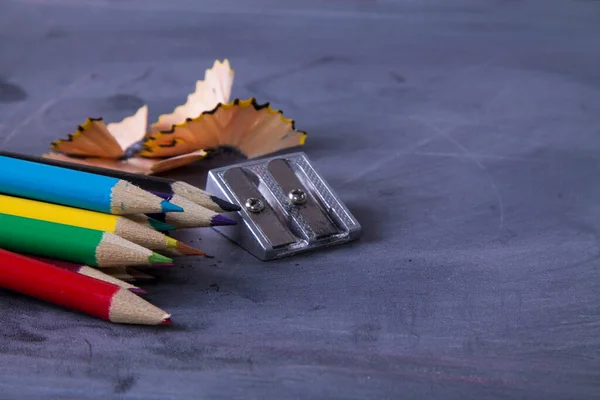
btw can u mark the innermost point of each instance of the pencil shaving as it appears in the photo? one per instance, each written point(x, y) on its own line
point(254, 129)
point(214, 89)
point(207, 121)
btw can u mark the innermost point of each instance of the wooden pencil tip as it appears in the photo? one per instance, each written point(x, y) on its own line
point(127, 308)
point(138, 291)
point(186, 250)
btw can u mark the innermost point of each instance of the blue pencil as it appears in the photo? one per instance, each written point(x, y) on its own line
point(77, 189)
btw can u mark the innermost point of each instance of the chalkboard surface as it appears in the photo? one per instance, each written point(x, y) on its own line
point(465, 137)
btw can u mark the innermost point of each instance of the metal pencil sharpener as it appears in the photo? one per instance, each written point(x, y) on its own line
point(287, 207)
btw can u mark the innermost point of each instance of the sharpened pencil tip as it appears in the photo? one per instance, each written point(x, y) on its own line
point(160, 226)
point(156, 258)
point(225, 205)
point(170, 207)
point(189, 250)
point(137, 275)
point(219, 220)
point(138, 291)
point(166, 322)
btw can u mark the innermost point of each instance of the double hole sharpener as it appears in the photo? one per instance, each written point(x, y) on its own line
point(287, 207)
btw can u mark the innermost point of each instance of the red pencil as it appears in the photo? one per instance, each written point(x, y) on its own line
point(91, 272)
point(69, 289)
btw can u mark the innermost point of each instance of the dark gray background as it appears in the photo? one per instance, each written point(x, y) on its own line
point(464, 135)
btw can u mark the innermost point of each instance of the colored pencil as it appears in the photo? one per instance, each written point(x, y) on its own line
point(128, 274)
point(193, 216)
point(73, 244)
point(158, 185)
point(119, 225)
point(92, 273)
point(171, 187)
point(183, 251)
point(77, 189)
point(150, 222)
point(75, 291)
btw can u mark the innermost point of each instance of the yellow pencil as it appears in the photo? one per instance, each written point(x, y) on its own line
point(120, 226)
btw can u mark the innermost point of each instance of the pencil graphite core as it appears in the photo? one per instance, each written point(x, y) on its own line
point(182, 250)
point(186, 250)
point(202, 197)
point(157, 225)
point(156, 258)
point(194, 216)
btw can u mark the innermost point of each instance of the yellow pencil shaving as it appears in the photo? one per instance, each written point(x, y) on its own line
point(303, 138)
point(151, 146)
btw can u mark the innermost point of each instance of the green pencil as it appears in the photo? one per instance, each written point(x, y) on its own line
point(73, 244)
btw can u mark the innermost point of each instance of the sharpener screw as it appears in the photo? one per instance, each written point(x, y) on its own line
point(297, 196)
point(254, 205)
